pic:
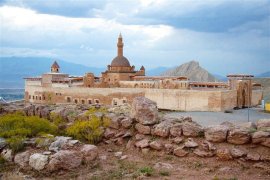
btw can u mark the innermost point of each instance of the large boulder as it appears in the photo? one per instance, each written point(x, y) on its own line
point(22, 159)
point(216, 133)
point(65, 159)
point(38, 161)
point(162, 129)
point(261, 137)
point(263, 124)
point(142, 129)
point(144, 111)
point(238, 136)
point(90, 152)
point(191, 129)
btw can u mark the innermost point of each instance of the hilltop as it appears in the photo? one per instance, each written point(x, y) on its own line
point(192, 70)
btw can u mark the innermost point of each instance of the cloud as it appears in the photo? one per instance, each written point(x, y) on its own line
point(222, 35)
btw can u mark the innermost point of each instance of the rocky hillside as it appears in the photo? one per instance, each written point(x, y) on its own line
point(192, 70)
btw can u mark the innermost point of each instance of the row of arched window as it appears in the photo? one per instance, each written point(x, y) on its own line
point(82, 101)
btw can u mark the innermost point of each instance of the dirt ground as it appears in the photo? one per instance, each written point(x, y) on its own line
point(141, 166)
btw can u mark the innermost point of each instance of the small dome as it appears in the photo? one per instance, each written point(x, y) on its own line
point(120, 61)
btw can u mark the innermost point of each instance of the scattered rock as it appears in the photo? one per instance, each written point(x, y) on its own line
point(59, 143)
point(180, 152)
point(156, 145)
point(178, 140)
point(64, 159)
point(203, 153)
point(127, 122)
point(3, 143)
point(191, 129)
point(253, 156)
point(263, 124)
point(207, 146)
point(123, 157)
point(176, 130)
point(163, 166)
point(237, 153)
point(216, 133)
point(162, 129)
point(144, 111)
point(38, 161)
point(142, 143)
point(238, 136)
point(224, 154)
point(142, 129)
point(90, 152)
point(109, 133)
point(190, 143)
point(7, 155)
point(118, 154)
point(22, 159)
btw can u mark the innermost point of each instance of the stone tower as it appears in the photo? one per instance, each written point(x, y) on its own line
point(55, 67)
point(120, 45)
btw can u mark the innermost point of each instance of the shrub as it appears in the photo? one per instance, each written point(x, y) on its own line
point(148, 171)
point(90, 131)
point(16, 143)
point(24, 126)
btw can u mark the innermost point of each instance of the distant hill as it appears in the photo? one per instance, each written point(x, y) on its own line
point(192, 70)
point(266, 74)
point(14, 69)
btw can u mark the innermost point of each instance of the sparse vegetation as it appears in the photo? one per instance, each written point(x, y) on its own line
point(147, 171)
point(16, 143)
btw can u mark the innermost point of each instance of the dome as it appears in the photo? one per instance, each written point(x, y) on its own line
point(120, 61)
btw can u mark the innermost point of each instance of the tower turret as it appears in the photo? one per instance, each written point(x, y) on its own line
point(55, 68)
point(120, 45)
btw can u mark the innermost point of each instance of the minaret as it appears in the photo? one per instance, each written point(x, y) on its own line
point(55, 67)
point(120, 45)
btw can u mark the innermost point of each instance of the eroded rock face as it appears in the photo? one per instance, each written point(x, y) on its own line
point(22, 159)
point(238, 136)
point(38, 161)
point(144, 111)
point(216, 133)
point(90, 152)
point(65, 159)
point(191, 129)
point(142, 129)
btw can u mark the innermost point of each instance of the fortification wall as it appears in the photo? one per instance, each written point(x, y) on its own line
point(171, 99)
point(256, 97)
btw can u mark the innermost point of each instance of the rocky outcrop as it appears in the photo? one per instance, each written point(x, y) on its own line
point(90, 152)
point(144, 111)
point(192, 70)
point(162, 129)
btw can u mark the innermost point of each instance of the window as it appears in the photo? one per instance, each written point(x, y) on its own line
point(89, 101)
point(124, 101)
point(68, 99)
point(115, 103)
point(97, 101)
point(39, 97)
point(29, 96)
point(83, 101)
point(76, 101)
point(33, 97)
point(36, 97)
point(43, 97)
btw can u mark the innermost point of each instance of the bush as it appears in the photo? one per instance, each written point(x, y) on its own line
point(24, 126)
point(16, 143)
point(148, 171)
point(90, 131)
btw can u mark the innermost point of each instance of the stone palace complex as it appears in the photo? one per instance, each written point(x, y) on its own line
point(121, 82)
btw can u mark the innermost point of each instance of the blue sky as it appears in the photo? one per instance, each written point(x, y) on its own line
point(225, 36)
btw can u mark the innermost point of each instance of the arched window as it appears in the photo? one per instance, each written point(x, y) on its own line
point(89, 101)
point(83, 101)
point(29, 96)
point(76, 101)
point(68, 99)
point(97, 101)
